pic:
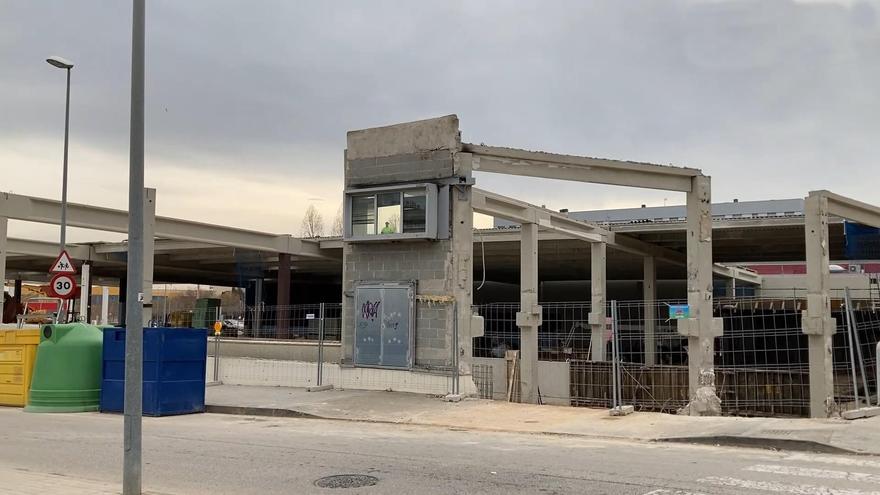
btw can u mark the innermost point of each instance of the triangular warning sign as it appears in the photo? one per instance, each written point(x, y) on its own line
point(63, 264)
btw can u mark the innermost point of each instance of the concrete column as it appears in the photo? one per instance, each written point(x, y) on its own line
point(700, 327)
point(463, 262)
point(816, 320)
point(18, 297)
point(529, 317)
point(598, 299)
point(123, 297)
point(4, 224)
point(149, 249)
point(283, 296)
point(85, 291)
point(105, 305)
point(649, 297)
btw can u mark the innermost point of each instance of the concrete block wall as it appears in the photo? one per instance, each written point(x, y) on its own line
point(428, 263)
point(414, 167)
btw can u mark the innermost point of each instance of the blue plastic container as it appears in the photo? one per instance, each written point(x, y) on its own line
point(174, 370)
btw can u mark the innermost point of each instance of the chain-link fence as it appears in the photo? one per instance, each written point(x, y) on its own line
point(293, 322)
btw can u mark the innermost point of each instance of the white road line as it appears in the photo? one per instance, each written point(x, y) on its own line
point(825, 474)
point(663, 491)
point(831, 459)
point(771, 486)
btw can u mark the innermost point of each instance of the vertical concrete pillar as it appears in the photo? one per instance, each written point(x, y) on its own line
point(463, 260)
point(649, 298)
point(283, 296)
point(816, 320)
point(85, 291)
point(700, 327)
point(598, 299)
point(105, 305)
point(18, 297)
point(123, 297)
point(4, 224)
point(149, 250)
point(528, 319)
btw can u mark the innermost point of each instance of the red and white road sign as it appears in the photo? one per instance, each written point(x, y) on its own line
point(63, 264)
point(62, 285)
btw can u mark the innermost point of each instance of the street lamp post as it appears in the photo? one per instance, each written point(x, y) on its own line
point(64, 64)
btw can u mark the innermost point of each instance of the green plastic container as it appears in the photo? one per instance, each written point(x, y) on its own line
point(67, 372)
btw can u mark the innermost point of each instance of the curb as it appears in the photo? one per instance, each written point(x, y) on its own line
point(260, 411)
point(785, 444)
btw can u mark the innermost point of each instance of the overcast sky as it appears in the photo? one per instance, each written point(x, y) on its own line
point(248, 102)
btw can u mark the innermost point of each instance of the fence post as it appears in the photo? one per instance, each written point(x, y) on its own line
point(217, 350)
point(321, 346)
point(319, 384)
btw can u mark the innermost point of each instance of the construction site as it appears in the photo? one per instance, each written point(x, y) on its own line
point(749, 308)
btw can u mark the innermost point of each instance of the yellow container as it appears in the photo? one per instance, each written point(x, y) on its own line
point(18, 351)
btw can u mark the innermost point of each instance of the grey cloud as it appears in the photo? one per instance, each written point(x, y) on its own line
point(763, 95)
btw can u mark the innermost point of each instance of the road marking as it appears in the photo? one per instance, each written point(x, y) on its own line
point(771, 486)
point(826, 474)
point(840, 460)
point(663, 491)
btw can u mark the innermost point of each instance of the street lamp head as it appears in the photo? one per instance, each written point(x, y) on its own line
point(61, 63)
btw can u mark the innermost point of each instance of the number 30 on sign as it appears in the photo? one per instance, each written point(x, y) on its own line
point(63, 286)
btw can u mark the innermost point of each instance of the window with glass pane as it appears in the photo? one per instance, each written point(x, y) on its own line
point(388, 209)
point(363, 215)
point(414, 207)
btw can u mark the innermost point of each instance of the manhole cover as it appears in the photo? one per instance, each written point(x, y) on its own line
point(346, 481)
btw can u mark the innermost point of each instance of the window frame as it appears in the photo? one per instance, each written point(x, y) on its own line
point(435, 207)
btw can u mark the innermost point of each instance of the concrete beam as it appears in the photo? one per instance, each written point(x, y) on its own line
point(528, 319)
point(499, 206)
point(41, 210)
point(578, 168)
point(47, 249)
point(849, 209)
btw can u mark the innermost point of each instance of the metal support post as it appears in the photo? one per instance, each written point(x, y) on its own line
point(615, 365)
point(857, 344)
point(134, 339)
point(321, 346)
point(529, 317)
point(216, 357)
point(598, 254)
point(649, 297)
point(64, 171)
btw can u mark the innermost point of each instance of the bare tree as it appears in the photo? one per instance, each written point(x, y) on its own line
point(337, 222)
point(313, 223)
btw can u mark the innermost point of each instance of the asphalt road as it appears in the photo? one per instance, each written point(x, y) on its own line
point(217, 454)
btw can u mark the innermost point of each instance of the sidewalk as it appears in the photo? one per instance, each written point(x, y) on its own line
point(816, 435)
point(25, 482)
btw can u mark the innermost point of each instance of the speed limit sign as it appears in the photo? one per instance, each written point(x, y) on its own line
point(63, 286)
